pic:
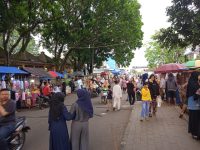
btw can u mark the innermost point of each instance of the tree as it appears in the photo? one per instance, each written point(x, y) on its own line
point(25, 17)
point(95, 30)
point(101, 28)
point(157, 55)
point(184, 16)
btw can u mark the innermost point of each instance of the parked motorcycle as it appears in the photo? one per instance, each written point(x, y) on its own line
point(17, 138)
point(42, 101)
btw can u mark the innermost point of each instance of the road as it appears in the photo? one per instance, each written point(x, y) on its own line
point(105, 129)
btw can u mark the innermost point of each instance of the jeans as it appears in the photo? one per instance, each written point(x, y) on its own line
point(5, 131)
point(145, 109)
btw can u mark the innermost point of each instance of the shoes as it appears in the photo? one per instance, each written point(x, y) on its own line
point(141, 119)
point(150, 115)
point(113, 109)
point(196, 137)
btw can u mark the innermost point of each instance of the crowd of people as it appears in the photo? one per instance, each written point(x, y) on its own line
point(182, 90)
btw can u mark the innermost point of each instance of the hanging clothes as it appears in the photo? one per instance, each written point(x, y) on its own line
point(21, 85)
point(26, 83)
point(17, 85)
point(23, 96)
point(3, 84)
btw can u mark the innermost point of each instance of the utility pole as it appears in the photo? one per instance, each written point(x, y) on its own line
point(92, 63)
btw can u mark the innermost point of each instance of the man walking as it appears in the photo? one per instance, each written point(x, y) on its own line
point(117, 96)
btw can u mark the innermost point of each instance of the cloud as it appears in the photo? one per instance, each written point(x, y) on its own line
point(154, 17)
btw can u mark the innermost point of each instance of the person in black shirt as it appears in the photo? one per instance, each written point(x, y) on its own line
point(7, 117)
point(131, 92)
point(154, 90)
point(109, 99)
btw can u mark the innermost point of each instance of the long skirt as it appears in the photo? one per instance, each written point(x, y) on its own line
point(194, 122)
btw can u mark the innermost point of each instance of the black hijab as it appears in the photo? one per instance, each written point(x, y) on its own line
point(193, 84)
point(56, 106)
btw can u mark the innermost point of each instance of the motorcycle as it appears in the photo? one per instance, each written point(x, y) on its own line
point(104, 94)
point(17, 138)
point(42, 101)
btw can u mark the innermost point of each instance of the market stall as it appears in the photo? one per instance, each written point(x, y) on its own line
point(15, 80)
point(36, 76)
point(193, 64)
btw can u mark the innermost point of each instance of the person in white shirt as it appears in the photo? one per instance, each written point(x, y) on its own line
point(80, 83)
point(162, 86)
point(117, 96)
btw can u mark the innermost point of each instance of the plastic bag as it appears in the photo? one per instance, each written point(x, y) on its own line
point(159, 101)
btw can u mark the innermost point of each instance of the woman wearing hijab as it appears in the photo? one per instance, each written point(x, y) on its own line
point(194, 104)
point(58, 114)
point(83, 111)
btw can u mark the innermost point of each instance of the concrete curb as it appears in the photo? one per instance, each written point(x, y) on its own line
point(127, 130)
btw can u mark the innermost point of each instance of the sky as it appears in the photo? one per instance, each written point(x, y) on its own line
point(153, 17)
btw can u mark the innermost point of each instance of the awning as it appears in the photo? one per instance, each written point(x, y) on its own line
point(55, 74)
point(116, 72)
point(39, 72)
point(11, 70)
point(60, 75)
point(193, 63)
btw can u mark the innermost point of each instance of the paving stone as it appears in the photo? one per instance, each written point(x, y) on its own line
point(165, 131)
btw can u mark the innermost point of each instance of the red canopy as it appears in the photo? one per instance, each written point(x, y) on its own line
point(53, 74)
point(172, 67)
point(104, 73)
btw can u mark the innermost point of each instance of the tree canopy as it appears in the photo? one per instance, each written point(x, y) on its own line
point(184, 16)
point(85, 32)
point(157, 55)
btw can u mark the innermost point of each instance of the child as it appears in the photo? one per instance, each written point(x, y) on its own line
point(109, 99)
point(146, 98)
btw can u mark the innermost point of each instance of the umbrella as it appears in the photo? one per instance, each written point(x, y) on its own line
point(53, 74)
point(172, 67)
point(104, 73)
point(192, 63)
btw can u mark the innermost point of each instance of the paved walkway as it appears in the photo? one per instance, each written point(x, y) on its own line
point(165, 131)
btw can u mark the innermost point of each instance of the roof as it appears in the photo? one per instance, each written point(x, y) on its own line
point(11, 70)
point(25, 56)
point(40, 72)
point(44, 58)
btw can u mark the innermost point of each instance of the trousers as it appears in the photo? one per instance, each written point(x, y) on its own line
point(5, 131)
point(117, 103)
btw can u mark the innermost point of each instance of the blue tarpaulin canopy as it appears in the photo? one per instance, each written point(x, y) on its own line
point(60, 75)
point(116, 72)
point(11, 70)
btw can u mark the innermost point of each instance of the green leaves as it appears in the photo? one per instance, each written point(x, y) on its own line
point(184, 16)
point(74, 29)
point(157, 55)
